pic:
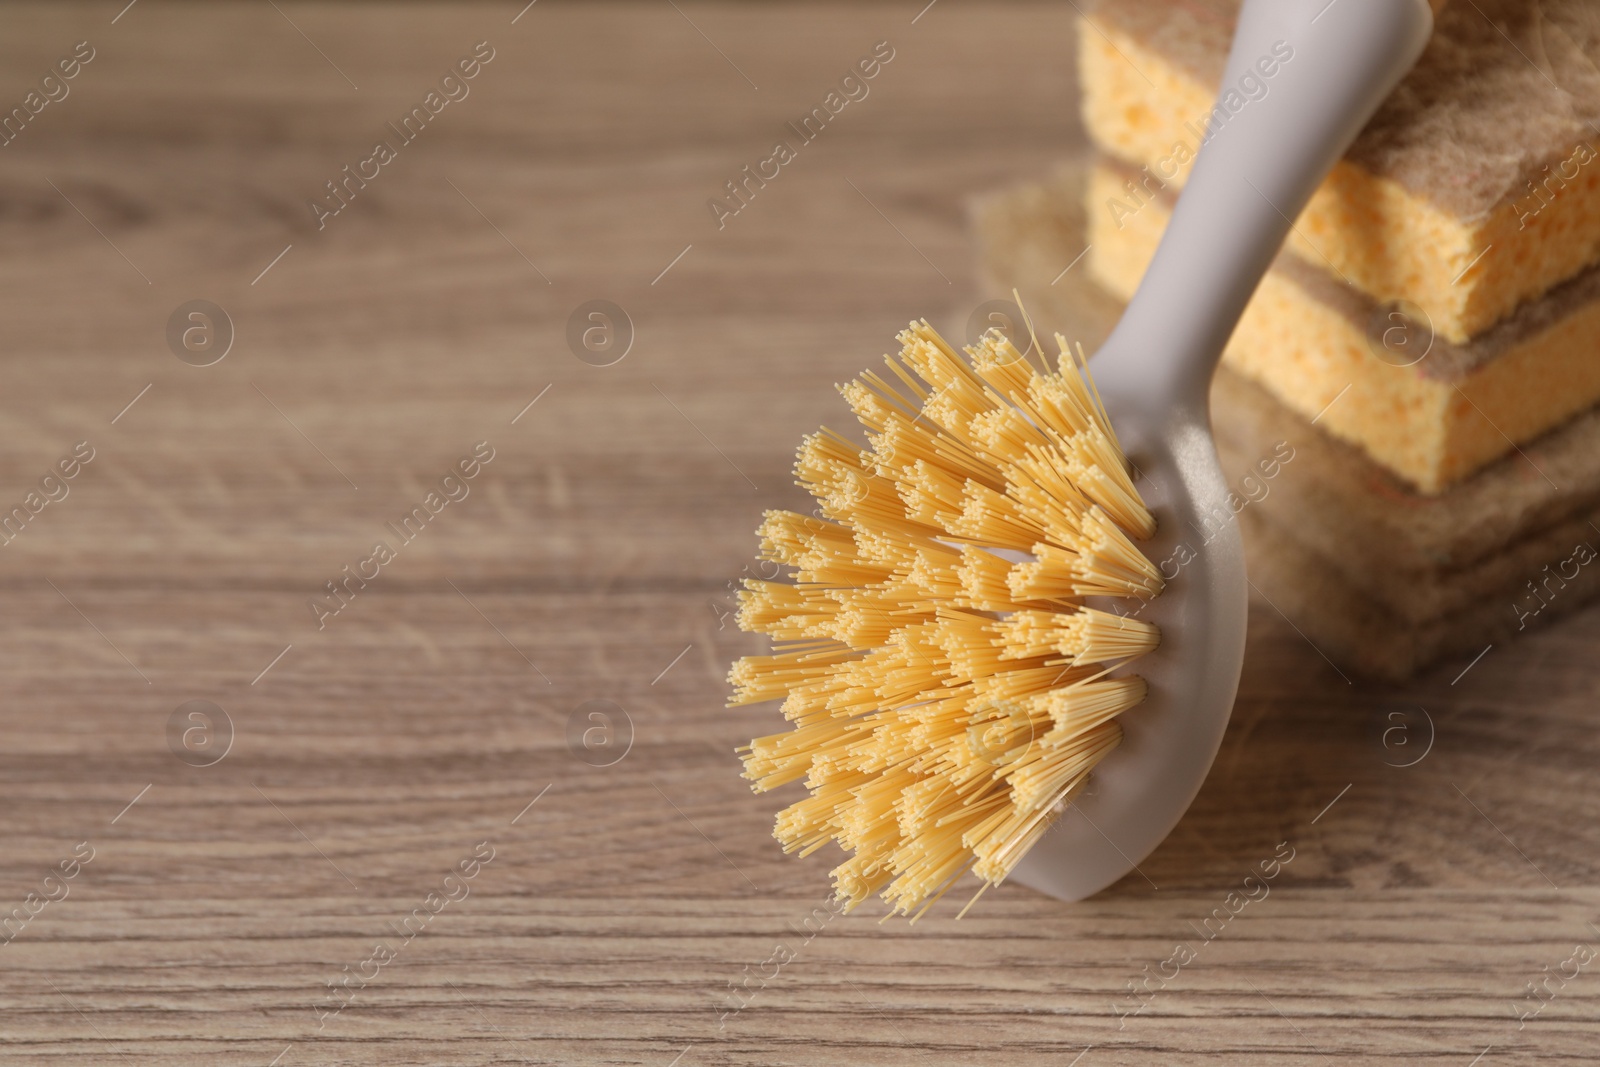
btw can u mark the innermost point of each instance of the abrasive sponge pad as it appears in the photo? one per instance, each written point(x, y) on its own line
point(1475, 187)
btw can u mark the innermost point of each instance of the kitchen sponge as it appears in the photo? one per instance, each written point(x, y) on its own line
point(1475, 187)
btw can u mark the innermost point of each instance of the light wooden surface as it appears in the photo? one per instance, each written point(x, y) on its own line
point(587, 563)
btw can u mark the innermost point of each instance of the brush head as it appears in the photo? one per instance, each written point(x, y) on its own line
point(952, 649)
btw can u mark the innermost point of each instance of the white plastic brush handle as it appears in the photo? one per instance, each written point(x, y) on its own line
point(1255, 174)
point(1154, 373)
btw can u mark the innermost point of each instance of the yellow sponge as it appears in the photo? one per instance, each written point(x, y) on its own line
point(1430, 410)
point(1475, 187)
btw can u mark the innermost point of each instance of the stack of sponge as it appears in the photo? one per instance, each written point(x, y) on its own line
point(1426, 347)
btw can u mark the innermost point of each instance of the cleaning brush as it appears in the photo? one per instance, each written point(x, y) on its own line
point(956, 645)
point(947, 701)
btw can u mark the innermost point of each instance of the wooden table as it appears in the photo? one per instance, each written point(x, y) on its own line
point(428, 722)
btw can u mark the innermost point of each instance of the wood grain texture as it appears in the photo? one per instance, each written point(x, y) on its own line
point(594, 549)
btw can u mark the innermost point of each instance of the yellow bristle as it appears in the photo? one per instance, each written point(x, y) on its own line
point(869, 825)
point(1115, 557)
point(1042, 481)
point(1106, 637)
point(806, 704)
point(1025, 634)
point(998, 854)
point(868, 618)
point(1006, 435)
point(1002, 365)
point(946, 703)
point(994, 520)
point(858, 877)
point(984, 581)
point(932, 494)
point(937, 572)
point(758, 678)
point(822, 552)
point(931, 358)
point(873, 400)
point(1084, 706)
point(905, 442)
point(1104, 563)
point(1098, 472)
point(784, 537)
point(965, 640)
point(955, 408)
point(780, 758)
point(958, 395)
point(1015, 684)
point(934, 727)
point(1084, 636)
point(787, 612)
point(1041, 775)
point(1062, 402)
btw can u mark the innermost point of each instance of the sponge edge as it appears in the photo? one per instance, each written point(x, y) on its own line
point(1436, 202)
